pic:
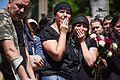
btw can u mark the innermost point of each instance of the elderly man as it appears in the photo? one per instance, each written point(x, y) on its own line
point(16, 63)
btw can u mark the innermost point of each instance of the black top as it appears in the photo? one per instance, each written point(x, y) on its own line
point(62, 68)
point(81, 71)
point(113, 70)
point(70, 60)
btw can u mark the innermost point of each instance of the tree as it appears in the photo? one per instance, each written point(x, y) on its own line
point(99, 8)
point(114, 7)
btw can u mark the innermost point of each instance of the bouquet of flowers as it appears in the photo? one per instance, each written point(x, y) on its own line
point(105, 49)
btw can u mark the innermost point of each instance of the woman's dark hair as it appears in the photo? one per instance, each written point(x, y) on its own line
point(81, 19)
point(46, 20)
point(62, 6)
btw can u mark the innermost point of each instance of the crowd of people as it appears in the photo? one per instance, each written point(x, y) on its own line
point(52, 49)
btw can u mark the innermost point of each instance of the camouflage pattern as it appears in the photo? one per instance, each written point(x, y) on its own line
point(10, 30)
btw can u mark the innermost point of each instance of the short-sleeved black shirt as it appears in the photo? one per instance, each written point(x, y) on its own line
point(61, 68)
point(81, 71)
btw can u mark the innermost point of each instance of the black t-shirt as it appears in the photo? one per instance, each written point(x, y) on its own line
point(81, 71)
point(113, 62)
point(52, 67)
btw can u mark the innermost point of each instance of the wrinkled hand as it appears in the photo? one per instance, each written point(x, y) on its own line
point(80, 34)
point(64, 26)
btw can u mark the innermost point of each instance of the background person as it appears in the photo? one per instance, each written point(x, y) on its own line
point(106, 21)
point(113, 62)
point(34, 46)
point(97, 26)
point(45, 21)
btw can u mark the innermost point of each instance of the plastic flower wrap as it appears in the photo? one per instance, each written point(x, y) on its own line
point(105, 49)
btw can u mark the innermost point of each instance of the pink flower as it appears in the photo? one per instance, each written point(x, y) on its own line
point(107, 40)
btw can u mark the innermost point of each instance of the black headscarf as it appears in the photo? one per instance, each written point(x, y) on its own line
point(80, 19)
point(62, 6)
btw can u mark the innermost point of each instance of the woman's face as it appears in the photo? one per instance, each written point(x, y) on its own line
point(117, 28)
point(61, 15)
point(81, 27)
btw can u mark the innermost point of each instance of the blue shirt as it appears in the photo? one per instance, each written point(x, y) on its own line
point(33, 43)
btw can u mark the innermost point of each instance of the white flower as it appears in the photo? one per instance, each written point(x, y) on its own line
point(114, 46)
point(93, 35)
point(109, 54)
point(101, 43)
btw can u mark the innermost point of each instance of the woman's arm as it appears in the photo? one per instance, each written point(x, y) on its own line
point(89, 55)
point(55, 49)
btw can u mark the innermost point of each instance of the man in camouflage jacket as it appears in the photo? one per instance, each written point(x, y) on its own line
point(15, 58)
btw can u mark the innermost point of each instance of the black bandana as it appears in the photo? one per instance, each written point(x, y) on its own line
point(62, 6)
point(80, 19)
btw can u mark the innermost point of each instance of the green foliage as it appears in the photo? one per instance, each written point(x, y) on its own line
point(79, 7)
point(82, 7)
point(114, 7)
